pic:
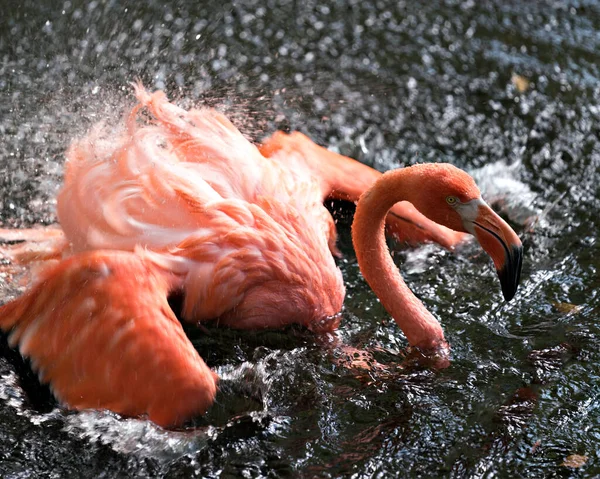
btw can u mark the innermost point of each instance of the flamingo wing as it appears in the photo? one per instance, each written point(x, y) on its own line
point(188, 184)
point(28, 245)
point(343, 178)
point(156, 183)
point(126, 190)
point(98, 328)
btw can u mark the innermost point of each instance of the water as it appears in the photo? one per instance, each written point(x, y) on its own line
point(505, 89)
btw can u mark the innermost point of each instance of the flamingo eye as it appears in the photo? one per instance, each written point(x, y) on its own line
point(451, 200)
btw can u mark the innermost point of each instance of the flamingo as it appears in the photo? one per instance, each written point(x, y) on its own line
point(180, 202)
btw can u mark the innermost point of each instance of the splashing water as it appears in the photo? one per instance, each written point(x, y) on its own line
point(507, 90)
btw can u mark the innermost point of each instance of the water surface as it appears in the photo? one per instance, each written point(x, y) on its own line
point(505, 89)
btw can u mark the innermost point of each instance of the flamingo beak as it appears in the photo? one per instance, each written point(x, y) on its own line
point(502, 244)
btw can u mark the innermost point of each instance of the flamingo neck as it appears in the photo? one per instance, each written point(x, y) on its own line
point(378, 268)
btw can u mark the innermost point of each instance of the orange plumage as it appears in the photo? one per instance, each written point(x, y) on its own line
point(182, 202)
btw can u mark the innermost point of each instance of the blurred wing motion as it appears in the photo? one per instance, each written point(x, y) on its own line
point(181, 173)
point(99, 329)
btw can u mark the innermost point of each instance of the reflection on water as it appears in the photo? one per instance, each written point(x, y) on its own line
point(507, 90)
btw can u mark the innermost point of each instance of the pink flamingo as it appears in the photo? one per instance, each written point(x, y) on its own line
point(182, 202)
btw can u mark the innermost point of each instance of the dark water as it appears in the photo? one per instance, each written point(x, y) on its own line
point(508, 90)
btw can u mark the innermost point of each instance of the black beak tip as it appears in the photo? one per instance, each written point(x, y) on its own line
point(510, 274)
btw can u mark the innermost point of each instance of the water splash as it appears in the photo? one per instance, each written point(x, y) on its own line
point(389, 83)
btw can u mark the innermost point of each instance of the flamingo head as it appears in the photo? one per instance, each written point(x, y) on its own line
point(454, 200)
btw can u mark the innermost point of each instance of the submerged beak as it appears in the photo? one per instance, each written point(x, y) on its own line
point(502, 244)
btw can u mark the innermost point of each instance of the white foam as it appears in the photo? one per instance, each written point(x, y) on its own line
point(501, 187)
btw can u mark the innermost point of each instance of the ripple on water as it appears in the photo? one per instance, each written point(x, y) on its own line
point(390, 83)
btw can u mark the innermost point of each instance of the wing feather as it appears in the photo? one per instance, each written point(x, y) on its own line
point(99, 329)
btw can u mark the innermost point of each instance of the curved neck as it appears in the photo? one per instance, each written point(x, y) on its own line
point(376, 264)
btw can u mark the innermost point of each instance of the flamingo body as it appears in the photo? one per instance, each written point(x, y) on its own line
point(252, 233)
point(182, 203)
